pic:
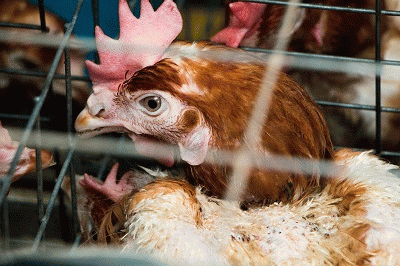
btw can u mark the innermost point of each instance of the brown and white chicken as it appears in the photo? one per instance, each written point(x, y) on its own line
point(181, 94)
point(181, 97)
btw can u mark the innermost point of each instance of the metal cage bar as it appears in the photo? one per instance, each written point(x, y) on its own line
point(43, 27)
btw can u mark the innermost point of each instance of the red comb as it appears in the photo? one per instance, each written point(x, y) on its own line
point(244, 18)
point(141, 43)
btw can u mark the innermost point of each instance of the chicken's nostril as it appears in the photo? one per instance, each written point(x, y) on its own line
point(97, 110)
point(100, 113)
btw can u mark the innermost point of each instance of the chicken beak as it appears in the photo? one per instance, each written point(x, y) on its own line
point(83, 121)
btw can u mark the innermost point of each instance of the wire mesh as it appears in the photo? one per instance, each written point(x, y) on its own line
point(70, 144)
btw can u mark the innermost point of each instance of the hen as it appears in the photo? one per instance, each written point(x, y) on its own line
point(329, 32)
point(183, 96)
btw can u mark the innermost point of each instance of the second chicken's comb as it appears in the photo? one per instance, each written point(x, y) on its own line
point(244, 18)
point(141, 43)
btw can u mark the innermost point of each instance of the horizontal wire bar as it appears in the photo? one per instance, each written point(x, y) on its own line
point(357, 106)
point(22, 26)
point(88, 44)
point(390, 153)
point(327, 7)
point(328, 58)
point(126, 148)
point(390, 110)
point(390, 12)
point(22, 117)
point(41, 74)
point(84, 44)
point(346, 65)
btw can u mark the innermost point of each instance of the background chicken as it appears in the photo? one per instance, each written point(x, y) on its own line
point(27, 161)
point(17, 92)
point(337, 33)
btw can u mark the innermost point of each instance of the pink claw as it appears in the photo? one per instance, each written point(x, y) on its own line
point(110, 188)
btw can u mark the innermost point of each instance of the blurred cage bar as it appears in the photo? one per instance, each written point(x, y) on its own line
point(51, 211)
point(33, 122)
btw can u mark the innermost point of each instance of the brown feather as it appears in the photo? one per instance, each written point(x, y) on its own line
point(113, 222)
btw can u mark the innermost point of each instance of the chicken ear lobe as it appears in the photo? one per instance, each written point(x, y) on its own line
point(194, 149)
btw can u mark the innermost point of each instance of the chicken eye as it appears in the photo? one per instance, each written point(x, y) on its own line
point(152, 105)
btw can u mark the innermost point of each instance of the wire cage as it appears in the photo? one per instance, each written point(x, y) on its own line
point(38, 217)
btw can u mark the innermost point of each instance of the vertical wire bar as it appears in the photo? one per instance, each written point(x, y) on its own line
point(64, 221)
point(43, 27)
point(378, 109)
point(95, 12)
point(96, 22)
point(39, 173)
point(76, 243)
point(52, 200)
point(101, 174)
point(6, 226)
point(180, 3)
point(68, 88)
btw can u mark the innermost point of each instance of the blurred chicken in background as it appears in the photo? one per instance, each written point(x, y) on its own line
point(17, 92)
point(338, 33)
point(27, 161)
